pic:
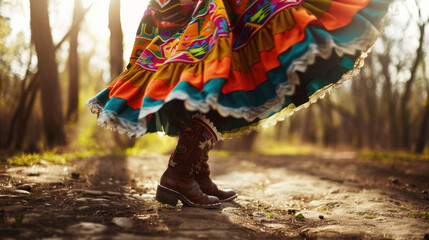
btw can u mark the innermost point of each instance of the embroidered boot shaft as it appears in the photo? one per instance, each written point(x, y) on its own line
point(206, 142)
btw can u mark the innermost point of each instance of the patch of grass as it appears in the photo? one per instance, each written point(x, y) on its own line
point(220, 153)
point(272, 147)
point(418, 215)
point(52, 157)
point(152, 143)
point(394, 157)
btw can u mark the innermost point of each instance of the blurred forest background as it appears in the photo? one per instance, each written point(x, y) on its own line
point(54, 55)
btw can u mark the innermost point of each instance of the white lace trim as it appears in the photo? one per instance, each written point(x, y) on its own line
point(291, 109)
point(111, 121)
point(209, 124)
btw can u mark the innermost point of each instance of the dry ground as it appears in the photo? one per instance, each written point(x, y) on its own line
point(339, 196)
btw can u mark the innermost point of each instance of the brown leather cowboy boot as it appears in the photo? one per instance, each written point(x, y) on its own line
point(178, 181)
point(201, 152)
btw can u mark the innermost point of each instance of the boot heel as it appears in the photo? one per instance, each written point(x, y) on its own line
point(165, 196)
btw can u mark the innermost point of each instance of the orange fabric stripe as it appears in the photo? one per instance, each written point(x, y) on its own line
point(217, 69)
point(125, 90)
point(341, 13)
point(158, 89)
point(246, 81)
point(269, 59)
point(194, 80)
point(284, 41)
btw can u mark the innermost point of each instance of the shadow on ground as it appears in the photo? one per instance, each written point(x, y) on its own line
point(329, 195)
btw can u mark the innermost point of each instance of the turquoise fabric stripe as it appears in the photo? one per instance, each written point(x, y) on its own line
point(122, 110)
point(149, 102)
point(214, 86)
point(375, 11)
point(103, 96)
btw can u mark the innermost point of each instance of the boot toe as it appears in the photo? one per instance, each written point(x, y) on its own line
point(208, 202)
point(212, 199)
point(227, 195)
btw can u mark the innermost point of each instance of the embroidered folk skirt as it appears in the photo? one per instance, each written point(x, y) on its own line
point(250, 63)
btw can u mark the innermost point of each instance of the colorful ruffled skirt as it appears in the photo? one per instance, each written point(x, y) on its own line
point(250, 63)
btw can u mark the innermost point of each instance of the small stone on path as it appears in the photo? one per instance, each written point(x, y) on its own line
point(22, 192)
point(83, 208)
point(9, 196)
point(116, 194)
point(123, 222)
point(143, 196)
point(81, 200)
point(25, 187)
point(92, 192)
point(86, 228)
point(275, 225)
point(99, 200)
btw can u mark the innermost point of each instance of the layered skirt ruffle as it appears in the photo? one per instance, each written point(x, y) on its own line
point(251, 62)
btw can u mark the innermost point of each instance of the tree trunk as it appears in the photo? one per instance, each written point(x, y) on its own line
point(407, 94)
point(388, 100)
point(23, 121)
point(307, 133)
point(47, 67)
point(421, 142)
point(116, 36)
point(279, 128)
point(73, 96)
point(329, 131)
point(116, 58)
point(372, 105)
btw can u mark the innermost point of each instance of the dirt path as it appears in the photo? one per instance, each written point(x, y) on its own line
point(339, 196)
